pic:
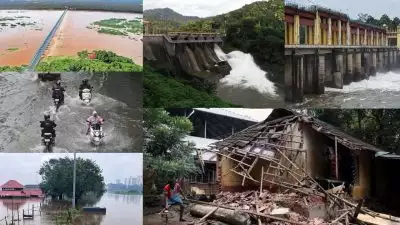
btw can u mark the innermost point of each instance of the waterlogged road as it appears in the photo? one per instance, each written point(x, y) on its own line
point(24, 100)
point(247, 85)
point(380, 91)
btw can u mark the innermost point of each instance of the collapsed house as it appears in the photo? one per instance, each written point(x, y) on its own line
point(310, 159)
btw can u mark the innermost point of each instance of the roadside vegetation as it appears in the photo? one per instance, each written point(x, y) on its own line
point(104, 61)
point(18, 69)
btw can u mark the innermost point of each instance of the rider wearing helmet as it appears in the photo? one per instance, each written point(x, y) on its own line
point(48, 125)
point(84, 85)
point(93, 120)
point(58, 91)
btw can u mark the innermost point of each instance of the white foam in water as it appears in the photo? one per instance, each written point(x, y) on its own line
point(245, 72)
point(386, 82)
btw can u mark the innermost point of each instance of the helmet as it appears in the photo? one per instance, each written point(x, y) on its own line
point(85, 81)
point(94, 114)
point(46, 116)
point(58, 82)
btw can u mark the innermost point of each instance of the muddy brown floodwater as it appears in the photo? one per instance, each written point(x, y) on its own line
point(18, 44)
point(121, 210)
point(73, 36)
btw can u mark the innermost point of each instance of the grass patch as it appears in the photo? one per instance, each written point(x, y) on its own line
point(12, 49)
point(18, 69)
point(167, 92)
point(105, 61)
point(112, 31)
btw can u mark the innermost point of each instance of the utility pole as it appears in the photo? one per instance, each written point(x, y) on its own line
point(74, 182)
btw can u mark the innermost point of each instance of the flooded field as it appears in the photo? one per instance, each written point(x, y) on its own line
point(74, 36)
point(124, 209)
point(22, 32)
point(24, 100)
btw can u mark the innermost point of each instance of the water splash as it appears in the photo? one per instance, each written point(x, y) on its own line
point(389, 81)
point(245, 72)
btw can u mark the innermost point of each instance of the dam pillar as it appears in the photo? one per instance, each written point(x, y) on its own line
point(309, 74)
point(396, 63)
point(320, 73)
point(366, 64)
point(374, 63)
point(357, 72)
point(380, 60)
point(385, 60)
point(298, 78)
point(294, 75)
point(338, 70)
point(348, 78)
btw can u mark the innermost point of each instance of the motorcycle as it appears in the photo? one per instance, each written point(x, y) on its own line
point(57, 102)
point(48, 141)
point(86, 96)
point(96, 134)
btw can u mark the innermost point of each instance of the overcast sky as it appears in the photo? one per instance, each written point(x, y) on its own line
point(24, 167)
point(376, 8)
point(200, 8)
point(258, 114)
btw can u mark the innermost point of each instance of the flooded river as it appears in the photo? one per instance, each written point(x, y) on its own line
point(23, 101)
point(121, 210)
point(380, 91)
point(73, 36)
point(20, 42)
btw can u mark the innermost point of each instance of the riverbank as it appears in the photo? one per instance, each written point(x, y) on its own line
point(104, 61)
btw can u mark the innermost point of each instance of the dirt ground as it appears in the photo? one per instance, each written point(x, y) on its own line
point(152, 216)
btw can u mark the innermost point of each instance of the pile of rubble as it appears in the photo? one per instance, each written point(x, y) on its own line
point(291, 206)
point(284, 208)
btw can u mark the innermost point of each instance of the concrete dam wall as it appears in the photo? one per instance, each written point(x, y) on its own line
point(190, 54)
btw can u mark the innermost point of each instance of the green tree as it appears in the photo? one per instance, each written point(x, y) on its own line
point(379, 127)
point(165, 151)
point(57, 178)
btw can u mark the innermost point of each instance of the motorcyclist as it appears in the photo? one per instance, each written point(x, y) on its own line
point(84, 85)
point(58, 91)
point(93, 120)
point(48, 126)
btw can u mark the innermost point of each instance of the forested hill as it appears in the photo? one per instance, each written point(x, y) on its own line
point(167, 14)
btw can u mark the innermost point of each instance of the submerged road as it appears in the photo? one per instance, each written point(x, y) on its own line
point(36, 58)
point(23, 101)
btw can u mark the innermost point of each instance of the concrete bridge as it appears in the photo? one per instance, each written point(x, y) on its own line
point(39, 53)
point(191, 53)
point(326, 48)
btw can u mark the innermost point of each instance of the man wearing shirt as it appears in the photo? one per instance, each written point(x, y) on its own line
point(172, 197)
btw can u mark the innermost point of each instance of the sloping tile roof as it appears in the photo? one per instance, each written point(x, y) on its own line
point(241, 139)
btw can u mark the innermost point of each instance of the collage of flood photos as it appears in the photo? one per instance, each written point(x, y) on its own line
point(201, 112)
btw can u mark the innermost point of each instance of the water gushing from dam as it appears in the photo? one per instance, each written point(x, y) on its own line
point(380, 91)
point(246, 79)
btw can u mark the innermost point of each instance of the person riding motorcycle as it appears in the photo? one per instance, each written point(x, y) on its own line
point(48, 126)
point(93, 120)
point(84, 85)
point(58, 91)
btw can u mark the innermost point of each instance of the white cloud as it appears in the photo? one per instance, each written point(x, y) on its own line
point(201, 8)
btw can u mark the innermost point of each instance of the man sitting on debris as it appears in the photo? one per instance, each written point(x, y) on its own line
point(172, 197)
